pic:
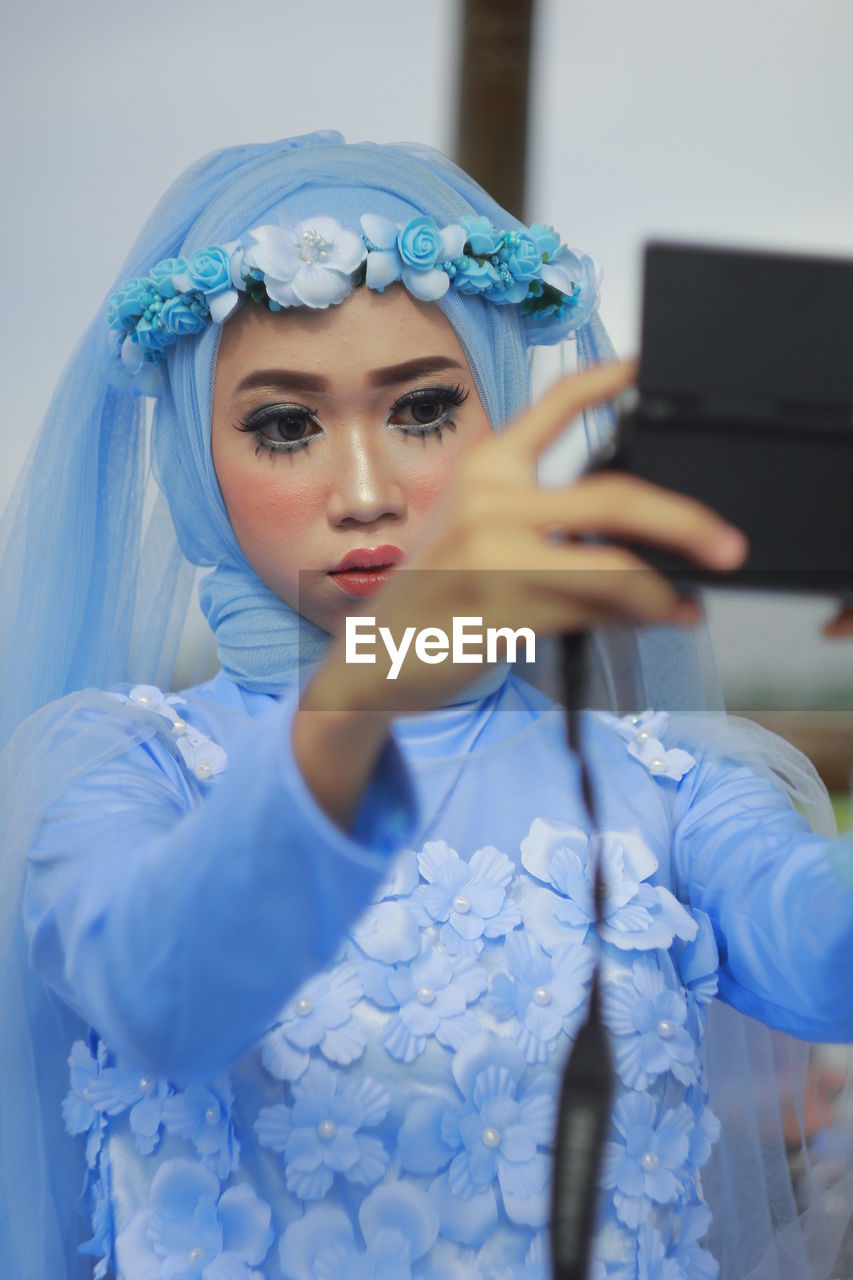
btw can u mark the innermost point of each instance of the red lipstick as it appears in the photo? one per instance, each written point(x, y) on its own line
point(364, 569)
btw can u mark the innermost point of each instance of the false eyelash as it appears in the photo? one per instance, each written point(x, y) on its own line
point(270, 413)
point(451, 396)
point(454, 394)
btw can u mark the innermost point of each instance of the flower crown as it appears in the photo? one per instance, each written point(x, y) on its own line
point(317, 263)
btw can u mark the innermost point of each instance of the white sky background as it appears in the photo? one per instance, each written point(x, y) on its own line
point(728, 122)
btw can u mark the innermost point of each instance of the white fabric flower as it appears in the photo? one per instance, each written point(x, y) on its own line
point(311, 263)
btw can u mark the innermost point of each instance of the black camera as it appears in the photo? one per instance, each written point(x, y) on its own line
point(745, 401)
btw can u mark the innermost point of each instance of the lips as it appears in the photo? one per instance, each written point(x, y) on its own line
point(369, 558)
point(364, 570)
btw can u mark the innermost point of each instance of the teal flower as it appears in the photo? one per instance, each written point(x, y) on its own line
point(161, 275)
point(483, 238)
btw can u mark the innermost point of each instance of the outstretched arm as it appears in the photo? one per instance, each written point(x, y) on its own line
point(780, 899)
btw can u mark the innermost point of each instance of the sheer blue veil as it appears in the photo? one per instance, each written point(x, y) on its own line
point(114, 513)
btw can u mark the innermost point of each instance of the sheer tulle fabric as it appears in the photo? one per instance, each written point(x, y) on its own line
point(116, 507)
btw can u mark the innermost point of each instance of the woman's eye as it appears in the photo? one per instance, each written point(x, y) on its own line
point(279, 430)
point(419, 413)
point(427, 410)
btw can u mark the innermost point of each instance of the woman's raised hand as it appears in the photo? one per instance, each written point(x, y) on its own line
point(499, 547)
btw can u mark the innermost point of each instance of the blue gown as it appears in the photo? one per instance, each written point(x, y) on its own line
point(317, 1054)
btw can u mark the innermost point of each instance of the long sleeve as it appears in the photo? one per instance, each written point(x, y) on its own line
point(178, 931)
point(780, 899)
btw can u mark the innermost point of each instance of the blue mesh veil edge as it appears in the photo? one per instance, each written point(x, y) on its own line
point(112, 591)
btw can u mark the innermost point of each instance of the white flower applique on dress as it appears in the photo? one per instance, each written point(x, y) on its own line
point(644, 733)
point(202, 756)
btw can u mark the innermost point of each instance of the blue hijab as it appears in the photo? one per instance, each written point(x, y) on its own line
point(262, 642)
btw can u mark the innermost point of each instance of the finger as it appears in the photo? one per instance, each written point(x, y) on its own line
point(609, 578)
point(542, 423)
point(624, 506)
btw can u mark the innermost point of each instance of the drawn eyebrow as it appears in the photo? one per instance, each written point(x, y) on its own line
point(299, 380)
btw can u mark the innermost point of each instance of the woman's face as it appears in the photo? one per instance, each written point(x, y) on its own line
point(335, 431)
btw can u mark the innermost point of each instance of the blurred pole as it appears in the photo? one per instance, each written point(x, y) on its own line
point(494, 75)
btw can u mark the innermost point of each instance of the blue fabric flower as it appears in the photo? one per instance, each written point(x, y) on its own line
point(422, 246)
point(698, 961)
point(648, 1021)
point(388, 931)
point(483, 238)
point(643, 733)
point(130, 302)
point(644, 724)
point(542, 994)
point(162, 272)
point(183, 315)
point(100, 1245)
point(192, 1231)
point(98, 1090)
point(431, 994)
point(415, 251)
point(419, 243)
point(203, 1115)
point(472, 276)
point(546, 239)
point(637, 916)
point(79, 1111)
point(398, 1224)
point(320, 1134)
point(523, 257)
point(468, 899)
point(706, 1129)
point(402, 878)
point(577, 276)
point(320, 1015)
point(672, 763)
point(652, 1260)
point(492, 1139)
point(209, 270)
point(648, 1166)
point(536, 1263)
point(695, 1262)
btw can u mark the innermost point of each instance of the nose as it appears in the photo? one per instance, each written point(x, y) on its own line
point(365, 490)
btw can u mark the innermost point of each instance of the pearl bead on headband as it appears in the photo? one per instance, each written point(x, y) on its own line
point(317, 263)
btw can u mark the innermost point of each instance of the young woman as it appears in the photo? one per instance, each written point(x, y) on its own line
point(289, 978)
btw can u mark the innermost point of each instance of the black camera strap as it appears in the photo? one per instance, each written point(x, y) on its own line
point(586, 1091)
